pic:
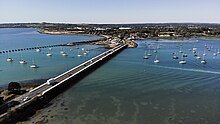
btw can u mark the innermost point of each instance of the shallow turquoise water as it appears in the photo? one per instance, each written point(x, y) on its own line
point(130, 90)
point(48, 66)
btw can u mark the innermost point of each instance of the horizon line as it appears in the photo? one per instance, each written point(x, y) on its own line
point(89, 23)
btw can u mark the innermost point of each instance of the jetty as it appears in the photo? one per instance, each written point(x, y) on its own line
point(50, 46)
point(17, 108)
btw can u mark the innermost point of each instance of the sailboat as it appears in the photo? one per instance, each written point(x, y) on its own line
point(61, 51)
point(85, 52)
point(182, 61)
point(215, 53)
point(34, 65)
point(22, 61)
point(64, 54)
point(198, 57)
point(203, 60)
point(148, 54)
point(82, 52)
point(194, 49)
point(79, 54)
point(204, 53)
point(38, 50)
point(145, 55)
point(174, 56)
point(156, 60)
point(9, 59)
point(181, 50)
point(185, 55)
point(49, 53)
point(218, 52)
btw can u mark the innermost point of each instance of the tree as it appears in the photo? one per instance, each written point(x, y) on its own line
point(14, 87)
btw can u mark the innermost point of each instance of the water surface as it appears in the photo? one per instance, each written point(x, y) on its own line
point(48, 66)
point(131, 90)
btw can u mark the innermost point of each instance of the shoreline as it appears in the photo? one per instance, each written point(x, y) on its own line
point(42, 31)
point(26, 85)
point(25, 82)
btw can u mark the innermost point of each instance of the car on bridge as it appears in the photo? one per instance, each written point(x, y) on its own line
point(51, 81)
point(26, 98)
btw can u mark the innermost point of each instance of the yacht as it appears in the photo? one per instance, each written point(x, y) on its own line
point(185, 55)
point(61, 52)
point(34, 66)
point(175, 57)
point(64, 54)
point(22, 62)
point(198, 57)
point(194, 48)
point(49, 54)
point(182, 61)
point(214, 54)
point(195, 55)
point(156, 60)
point(38, 50)
point(9, 59)
point(148, 54)
point(218, 52)
point(204, 54)
point(203, 61)
point(180, 50)
point(145, 56)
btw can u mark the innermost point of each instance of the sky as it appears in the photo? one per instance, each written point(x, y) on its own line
point(110, 11)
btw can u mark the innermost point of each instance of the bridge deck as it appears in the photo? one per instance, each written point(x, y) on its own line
point(44, 88)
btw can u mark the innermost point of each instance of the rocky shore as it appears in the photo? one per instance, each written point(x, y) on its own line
point(6, 96)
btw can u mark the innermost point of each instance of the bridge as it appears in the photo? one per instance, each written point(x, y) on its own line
point(61, 80)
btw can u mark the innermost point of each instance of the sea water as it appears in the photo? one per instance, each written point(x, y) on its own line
point(48, 66)
point(131, 90)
